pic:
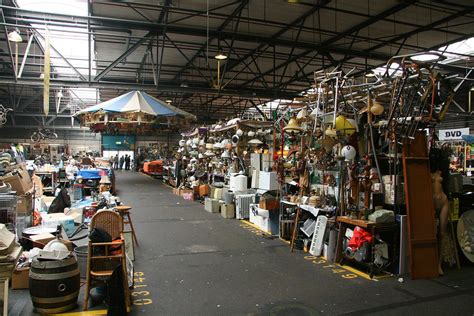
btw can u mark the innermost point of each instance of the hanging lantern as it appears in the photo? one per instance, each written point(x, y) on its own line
point(376, 108)
point(255, 142)
point(344, 125)
point(293, 128)
point(348, 152)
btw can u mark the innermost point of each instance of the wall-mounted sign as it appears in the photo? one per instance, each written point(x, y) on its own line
point(453, 134)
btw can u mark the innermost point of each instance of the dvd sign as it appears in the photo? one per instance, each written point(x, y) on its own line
point(453, 134)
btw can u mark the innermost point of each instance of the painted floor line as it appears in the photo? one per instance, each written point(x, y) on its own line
point(96, 312)
point(254, 226)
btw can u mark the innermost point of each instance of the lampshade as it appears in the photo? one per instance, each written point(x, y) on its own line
point(225, 154)
point(302, 114)
point(349, 152)
point(346, 126)
point(293, 127)
point(255, 141)
point(14, 36)
point(220, 56)
point(376, 108)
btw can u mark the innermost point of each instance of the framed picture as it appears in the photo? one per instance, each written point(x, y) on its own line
point(4, 296)
point(129, 250)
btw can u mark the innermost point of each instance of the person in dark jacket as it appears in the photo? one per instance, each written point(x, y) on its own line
point(121, 161)
point(116, 161)
point(127, 162)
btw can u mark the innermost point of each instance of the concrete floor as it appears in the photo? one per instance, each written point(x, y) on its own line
point(191, 262)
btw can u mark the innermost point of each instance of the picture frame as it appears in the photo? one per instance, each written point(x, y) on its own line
point(4, 296)
point(129, 248)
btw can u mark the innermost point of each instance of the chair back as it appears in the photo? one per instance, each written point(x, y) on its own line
point(109, 221)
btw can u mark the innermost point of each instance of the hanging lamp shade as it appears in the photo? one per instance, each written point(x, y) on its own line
point(255, 142)
point(344, 125)
point(293, 127)
point(376, 108)
point(302, 114)
point(14, 36)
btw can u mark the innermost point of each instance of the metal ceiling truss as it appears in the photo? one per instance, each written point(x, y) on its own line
point(288, 62)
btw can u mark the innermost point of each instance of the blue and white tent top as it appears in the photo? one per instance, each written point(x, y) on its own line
point(135, 102)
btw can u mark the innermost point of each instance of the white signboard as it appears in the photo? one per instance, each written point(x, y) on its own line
point(453, 134)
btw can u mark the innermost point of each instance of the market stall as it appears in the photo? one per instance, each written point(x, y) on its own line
point(351, 171)
point(42, 234)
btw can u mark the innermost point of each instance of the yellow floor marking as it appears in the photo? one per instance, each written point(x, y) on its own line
point(96, 312)
point(254, 226)
point(363, 274)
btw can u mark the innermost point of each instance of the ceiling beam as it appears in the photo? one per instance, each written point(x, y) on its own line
point(403, 37)
point(249, 93)
point(237, 11)
point(124, 55)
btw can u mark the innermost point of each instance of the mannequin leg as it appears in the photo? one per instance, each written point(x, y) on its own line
point(443, 225)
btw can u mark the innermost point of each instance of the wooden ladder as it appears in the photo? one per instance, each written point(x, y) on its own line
point(423, 244)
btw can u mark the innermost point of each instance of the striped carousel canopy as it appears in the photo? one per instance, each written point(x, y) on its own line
point(137, 102)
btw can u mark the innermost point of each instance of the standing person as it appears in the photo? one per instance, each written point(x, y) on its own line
point(121, 161)
point(116, 161)
point(127, 162)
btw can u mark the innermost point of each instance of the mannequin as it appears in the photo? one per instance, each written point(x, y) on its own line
point(439, 166)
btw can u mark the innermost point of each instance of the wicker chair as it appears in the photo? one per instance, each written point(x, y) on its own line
point(99, 265)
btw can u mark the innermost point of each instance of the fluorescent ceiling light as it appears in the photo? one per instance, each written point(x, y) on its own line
point(427, 57)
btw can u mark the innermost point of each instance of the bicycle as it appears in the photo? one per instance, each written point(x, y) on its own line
point(3, 114)
point(42, 134)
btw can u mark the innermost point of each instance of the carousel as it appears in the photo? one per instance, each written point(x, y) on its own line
point(135, 112)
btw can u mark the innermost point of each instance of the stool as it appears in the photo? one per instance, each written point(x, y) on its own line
point(124, 212)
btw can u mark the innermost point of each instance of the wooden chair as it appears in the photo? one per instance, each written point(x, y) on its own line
point(99, 265)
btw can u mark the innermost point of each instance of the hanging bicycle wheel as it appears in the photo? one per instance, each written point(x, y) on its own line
point(35, 137)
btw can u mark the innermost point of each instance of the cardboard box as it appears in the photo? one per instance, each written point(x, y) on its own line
point(24, 204)
point(268, 181)
point(212, 205)
point(19, 180)
point(41, 240)
point(228, 210)
point(20, 278)
point(269, 203)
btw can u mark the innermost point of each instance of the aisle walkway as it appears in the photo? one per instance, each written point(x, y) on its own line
point(191, 262)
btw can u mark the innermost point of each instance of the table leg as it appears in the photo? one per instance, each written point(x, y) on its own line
point(340, 236)
point(295, 230)
point(372, 250)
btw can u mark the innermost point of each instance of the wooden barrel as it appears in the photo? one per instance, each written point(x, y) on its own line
point(54, 285)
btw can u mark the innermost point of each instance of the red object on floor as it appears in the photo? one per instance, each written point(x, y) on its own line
point(359, 237)
point(153, 167)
